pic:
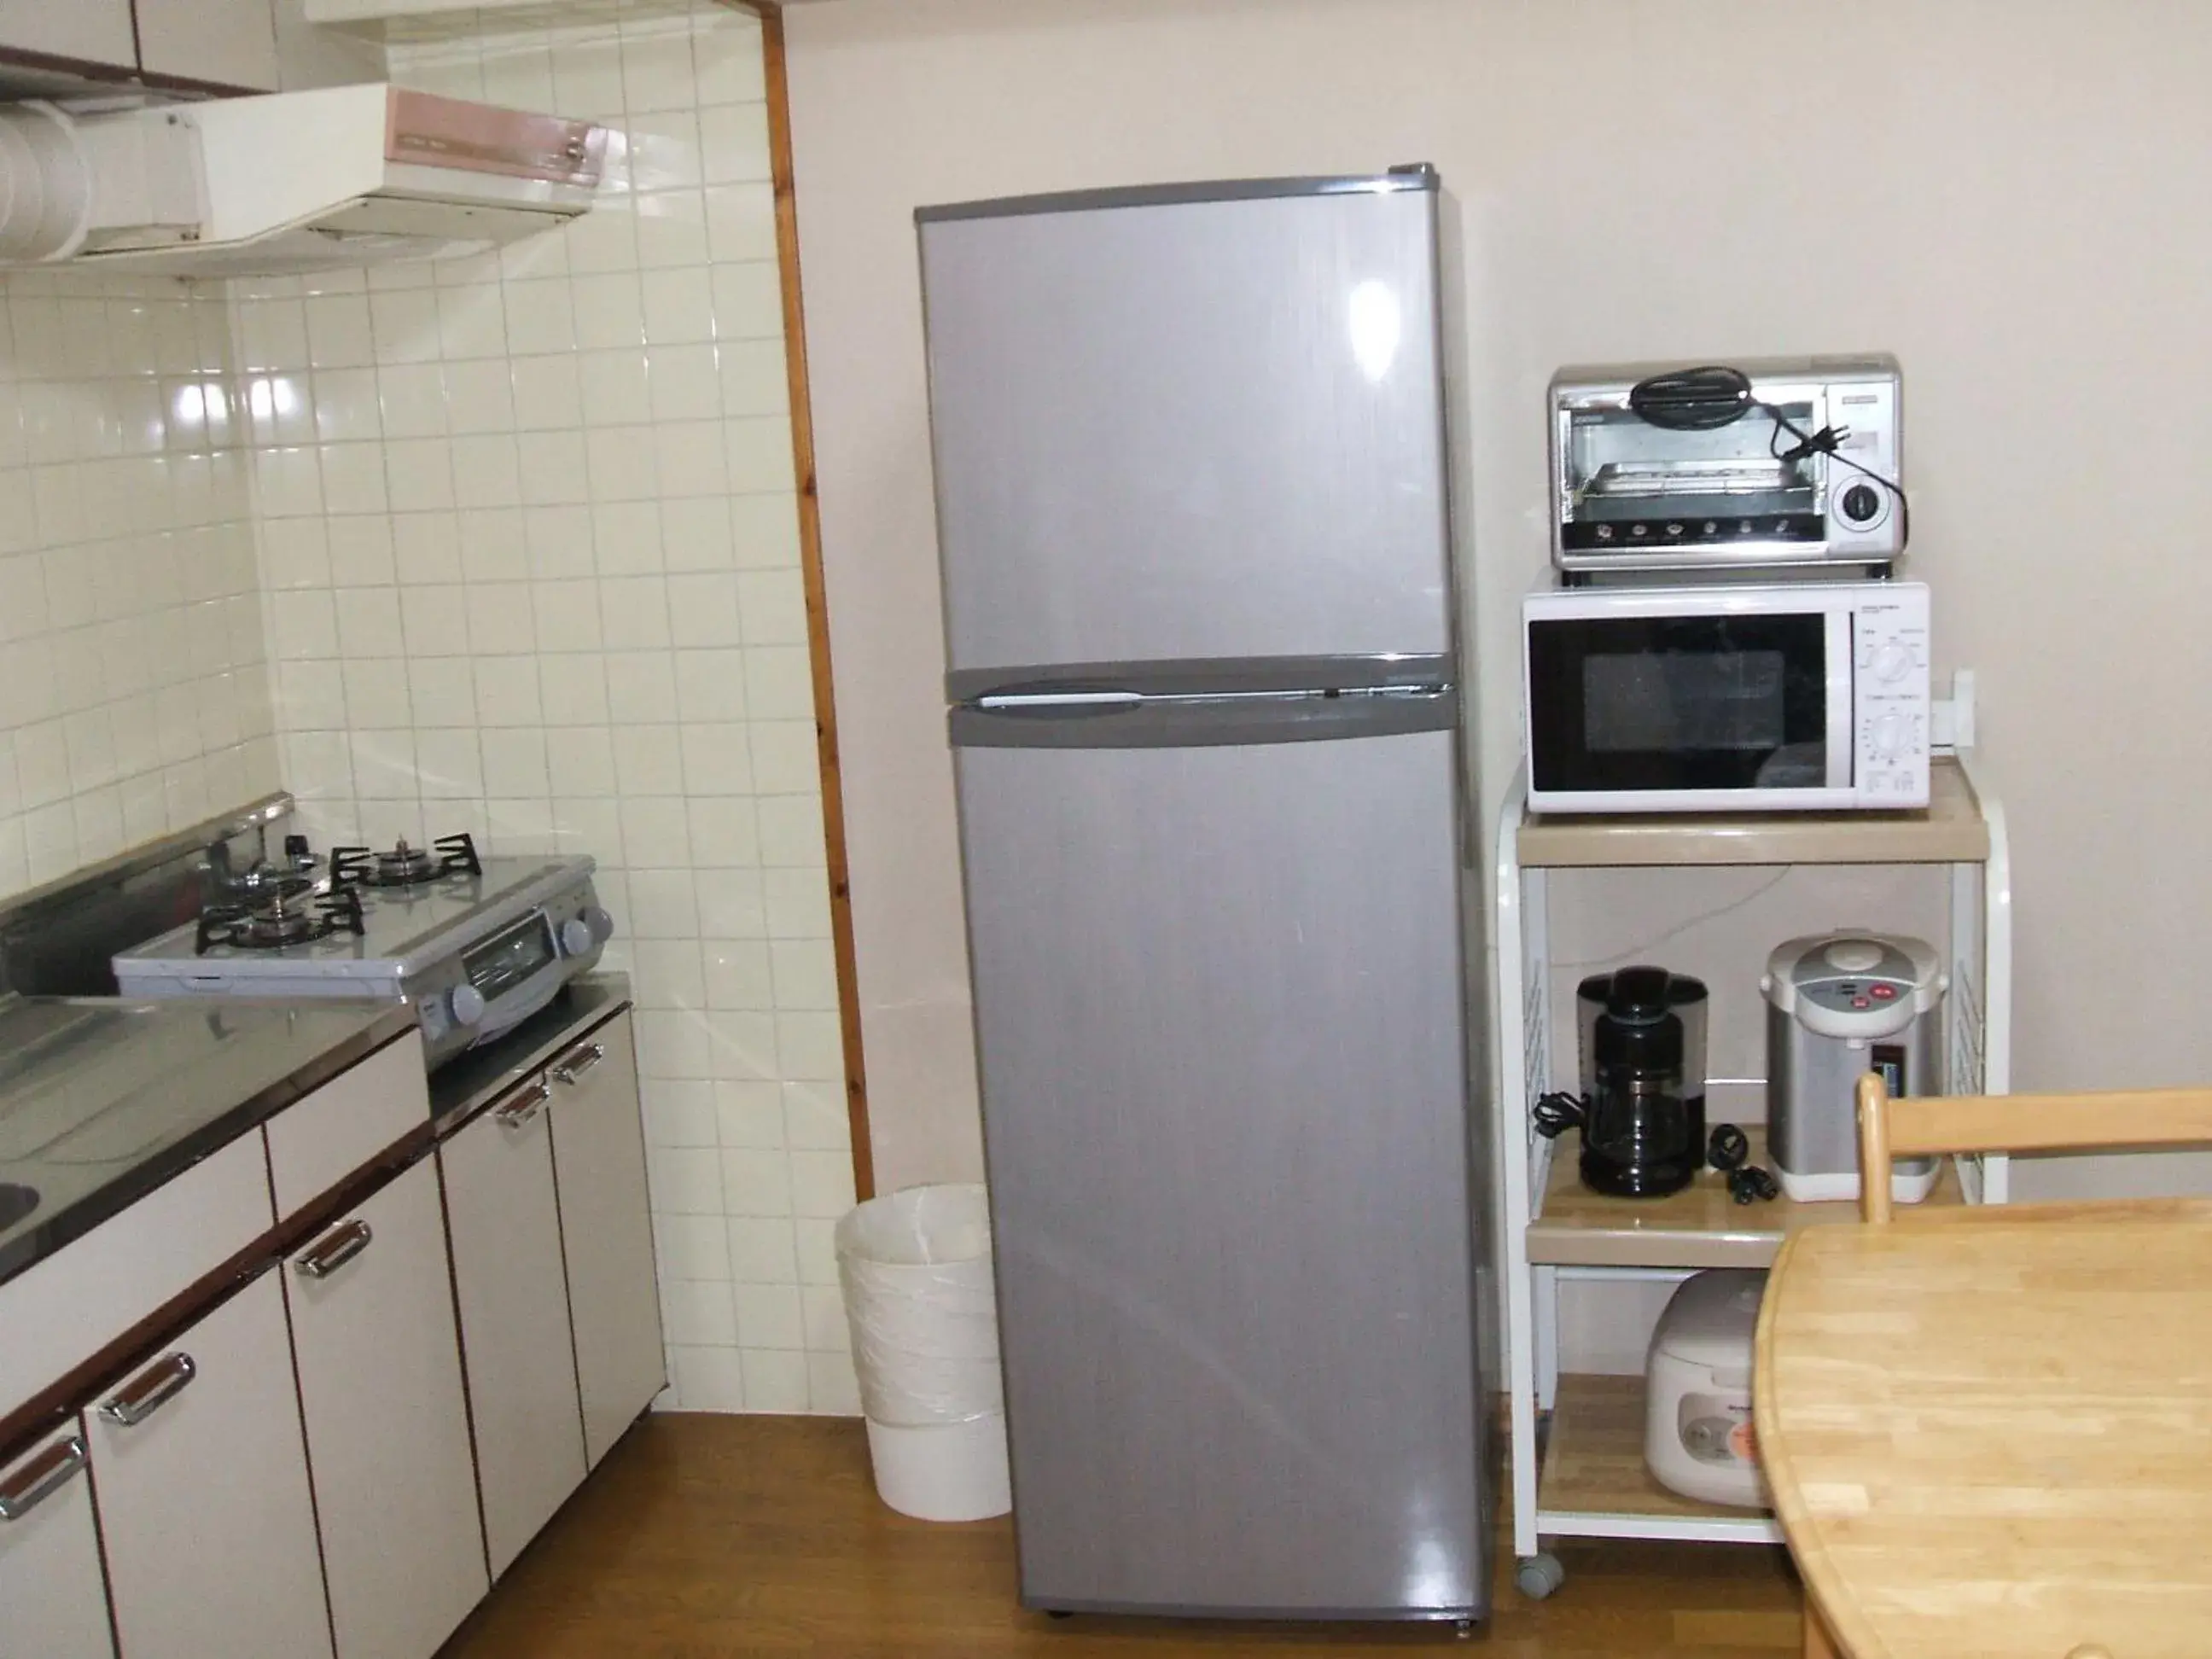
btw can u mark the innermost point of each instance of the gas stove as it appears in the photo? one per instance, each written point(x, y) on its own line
point(476, 945)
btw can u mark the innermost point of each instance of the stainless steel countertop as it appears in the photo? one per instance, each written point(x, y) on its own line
point(102, 1100)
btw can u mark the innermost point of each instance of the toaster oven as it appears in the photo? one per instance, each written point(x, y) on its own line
point(1769, 464)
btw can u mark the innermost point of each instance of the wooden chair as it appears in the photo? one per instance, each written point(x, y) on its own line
point(1925, 1125)
point(1919, 1125)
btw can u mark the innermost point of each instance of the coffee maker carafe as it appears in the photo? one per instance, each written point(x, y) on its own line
point(1642, 1033)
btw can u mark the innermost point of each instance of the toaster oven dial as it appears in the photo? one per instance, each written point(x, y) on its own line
point(1862, 505)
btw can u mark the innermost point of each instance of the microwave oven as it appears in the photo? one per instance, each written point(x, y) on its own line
point(1798, 696)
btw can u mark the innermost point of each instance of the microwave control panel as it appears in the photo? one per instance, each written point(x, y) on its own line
point(1890, 707)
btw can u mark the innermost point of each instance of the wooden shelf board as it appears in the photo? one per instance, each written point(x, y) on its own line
point(1593, 1463)
point(1700, 1226)
point(1950, 830)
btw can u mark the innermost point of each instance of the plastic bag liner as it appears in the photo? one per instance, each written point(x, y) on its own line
point(916, 1268)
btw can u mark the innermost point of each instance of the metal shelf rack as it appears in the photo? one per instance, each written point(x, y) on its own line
point(1577, 1441)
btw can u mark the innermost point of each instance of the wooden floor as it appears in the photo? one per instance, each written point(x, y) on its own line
point(702, 1537)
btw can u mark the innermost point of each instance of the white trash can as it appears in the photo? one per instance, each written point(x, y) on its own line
point(916, 1269)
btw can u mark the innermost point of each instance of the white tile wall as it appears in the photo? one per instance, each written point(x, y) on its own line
point(133, 695)
point(528, 527)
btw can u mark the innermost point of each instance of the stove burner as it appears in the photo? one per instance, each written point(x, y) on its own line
point(282, 921)
point(404, 865)
point(278, 924)
point(265, 884)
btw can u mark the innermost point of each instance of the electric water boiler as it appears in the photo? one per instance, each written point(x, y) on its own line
point(1840, 1006)
point(1643, 1133)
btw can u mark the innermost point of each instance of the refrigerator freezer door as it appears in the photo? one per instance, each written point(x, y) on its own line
point(1221, 1017)
point(1194, 429)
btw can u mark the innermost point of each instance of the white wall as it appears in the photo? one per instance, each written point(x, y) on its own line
point(2001, 193)
point(133, 699)
point(530, 534)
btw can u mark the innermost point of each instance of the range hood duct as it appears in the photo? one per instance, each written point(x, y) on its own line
point(287, 182)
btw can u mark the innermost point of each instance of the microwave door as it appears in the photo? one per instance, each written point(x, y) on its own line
point(1843, 745)
point(1639, 709)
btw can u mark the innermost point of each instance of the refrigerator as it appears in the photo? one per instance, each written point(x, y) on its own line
point(1191, 465)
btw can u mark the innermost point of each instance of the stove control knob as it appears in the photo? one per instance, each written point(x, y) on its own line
point(467, 1004)
point(591, 926)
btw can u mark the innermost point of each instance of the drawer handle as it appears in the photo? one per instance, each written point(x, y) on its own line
point(151, 1389)
point(577, 1061)
point(523, 1107)
point(334, 1249)
point(41, 1478)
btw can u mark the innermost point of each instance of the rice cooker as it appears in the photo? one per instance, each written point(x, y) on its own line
point(1697, 1435)
point(1840, 1006)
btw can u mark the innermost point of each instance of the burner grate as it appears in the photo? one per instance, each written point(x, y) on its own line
point(404, 866)
point(282, 921)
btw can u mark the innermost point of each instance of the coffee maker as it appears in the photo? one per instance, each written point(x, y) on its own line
point(1641, 1042)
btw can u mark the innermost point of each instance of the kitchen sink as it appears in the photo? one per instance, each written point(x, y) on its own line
point(16, 1201)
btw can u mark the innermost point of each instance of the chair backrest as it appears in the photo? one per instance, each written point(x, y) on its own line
point(1919, 1125)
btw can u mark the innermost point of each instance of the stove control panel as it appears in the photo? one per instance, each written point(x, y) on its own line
point(492, 986)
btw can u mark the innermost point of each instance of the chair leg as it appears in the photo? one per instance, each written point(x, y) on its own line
point(1819, 1644)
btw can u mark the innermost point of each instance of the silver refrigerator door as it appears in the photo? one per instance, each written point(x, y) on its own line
point(1220, 1008)
point(1188, 430)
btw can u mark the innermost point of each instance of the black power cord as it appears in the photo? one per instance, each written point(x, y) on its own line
point(1727, 1149)
point(1708, 399)
point(1556, 1113)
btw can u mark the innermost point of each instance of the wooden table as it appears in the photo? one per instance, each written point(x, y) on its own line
point(1989, 1432)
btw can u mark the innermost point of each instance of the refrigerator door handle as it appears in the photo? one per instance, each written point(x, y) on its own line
point(1048, 721)
point(1199, 677)
point(1063, 703)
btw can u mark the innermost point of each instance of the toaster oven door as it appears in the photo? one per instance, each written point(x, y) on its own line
point(1657, 713)
point(1633, 496)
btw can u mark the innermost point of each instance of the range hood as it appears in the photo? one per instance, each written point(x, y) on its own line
point(291, 182)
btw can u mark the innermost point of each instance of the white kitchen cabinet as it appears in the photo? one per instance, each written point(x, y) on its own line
point(231, 42)
point(309, 55)
point(606, 1232)
point(205, 1506)
point(58, 1313)
point(89, 30)
point(513, 1294)
point(379, 1367)
point(51, 1583)
point(318, 1143)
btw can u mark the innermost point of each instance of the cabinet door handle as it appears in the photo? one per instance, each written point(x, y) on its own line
point(523, 1107)
point(333, 1250)
point(41, 1478)
point(151, 1389)
point(577, 1061)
